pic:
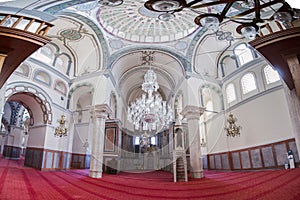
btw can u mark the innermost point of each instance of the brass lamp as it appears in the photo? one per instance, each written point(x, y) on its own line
point(232, 129)
point(61, 130)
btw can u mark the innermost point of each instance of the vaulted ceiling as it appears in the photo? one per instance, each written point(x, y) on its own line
point(120, 39)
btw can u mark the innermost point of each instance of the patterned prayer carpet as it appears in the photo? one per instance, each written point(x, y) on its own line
point(18, 182)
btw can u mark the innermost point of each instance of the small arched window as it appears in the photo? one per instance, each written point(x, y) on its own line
point(42, 77)
point(243, 53)
point(113, 105)
point(46, 54)
point(23, 69)
point(230, 93)
point(178, 105)
point(59, 62)
point(271, 75)
point(60, 87)
point(153, 140)
point(137, 141)
point(248, 83)
point(209, 107)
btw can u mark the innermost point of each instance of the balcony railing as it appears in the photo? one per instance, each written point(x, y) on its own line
point(275, 26)
point(27, 24)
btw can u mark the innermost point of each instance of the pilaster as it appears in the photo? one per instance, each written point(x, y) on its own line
point(192, 114)
point(99, 114)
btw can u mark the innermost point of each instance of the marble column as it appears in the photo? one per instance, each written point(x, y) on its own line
point(192, 114)
point(293, 96)
point(99, 115)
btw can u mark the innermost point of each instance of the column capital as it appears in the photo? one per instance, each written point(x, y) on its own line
point(100, 111)
point(192, 112)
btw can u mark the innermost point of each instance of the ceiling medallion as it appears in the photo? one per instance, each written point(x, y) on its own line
point(110, 2)
point(132, 21)
point(165, 5)
point(71, 34)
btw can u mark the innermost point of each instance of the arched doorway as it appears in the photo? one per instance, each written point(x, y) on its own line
point(25, 120)
point(15, 122)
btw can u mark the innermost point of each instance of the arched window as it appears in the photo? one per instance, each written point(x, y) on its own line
point(113, 105)
point(209, 107)
point(248, 83)
point(230, 93)
point(23, 69)
point(46, 54)
point(137, 141)
point(62, 63)
point(178, 105)
point(271, 75)
point(59, 62)
point(60, 87)
point(243, 53)
point(153, 140)
point(42, 77)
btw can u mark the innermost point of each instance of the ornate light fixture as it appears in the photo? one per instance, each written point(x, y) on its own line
point(232, 129)
point(250, 14)
point(110, 2)
point(149, 113)
point(203, 143)
point(61, 130)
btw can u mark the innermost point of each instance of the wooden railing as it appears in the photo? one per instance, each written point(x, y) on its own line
point(275, 26)
point(27, 24)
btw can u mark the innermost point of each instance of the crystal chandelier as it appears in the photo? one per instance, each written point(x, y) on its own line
point(149, 113)
point(232, 129)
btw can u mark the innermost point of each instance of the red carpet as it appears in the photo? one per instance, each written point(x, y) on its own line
point(18, 182)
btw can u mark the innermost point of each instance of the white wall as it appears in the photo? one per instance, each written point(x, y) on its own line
point(36, 136)
point(82, 133)
point(264, 120)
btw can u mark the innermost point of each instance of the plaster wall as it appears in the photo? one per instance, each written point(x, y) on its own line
point(36, 136)
point(82, 133)
point(263, 120)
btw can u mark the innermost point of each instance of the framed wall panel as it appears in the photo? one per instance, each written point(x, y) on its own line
point(110, 139)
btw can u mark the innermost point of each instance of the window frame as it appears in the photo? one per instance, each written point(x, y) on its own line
point(266, 77)
point(238, 57)
point(234, 92)
point(255, 83)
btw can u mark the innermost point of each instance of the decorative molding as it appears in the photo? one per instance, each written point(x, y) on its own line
point(50, 68)
point(192, 112)
point(184, 63)
point(37, 93)
point(39, 72)
point(101, 111)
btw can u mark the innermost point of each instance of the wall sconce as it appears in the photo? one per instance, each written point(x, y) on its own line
point(61, 130)
point(232, 129)
point(203, 143)
point(86, 144)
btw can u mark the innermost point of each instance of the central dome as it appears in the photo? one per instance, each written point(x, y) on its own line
point(132, 21)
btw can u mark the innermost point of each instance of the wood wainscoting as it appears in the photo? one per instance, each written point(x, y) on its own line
point(267, 156)
point(47, 160)
point(12, 152)
point(80, 161)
